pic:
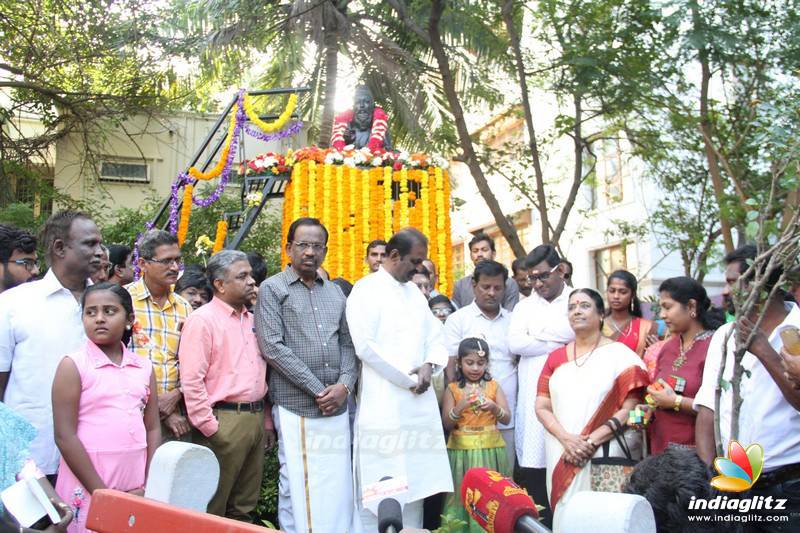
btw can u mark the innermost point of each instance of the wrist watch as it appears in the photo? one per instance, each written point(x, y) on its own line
point(678, 400)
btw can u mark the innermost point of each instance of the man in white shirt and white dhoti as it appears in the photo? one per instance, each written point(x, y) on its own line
point(398, 429)
point(539, 325)
point(485, 318)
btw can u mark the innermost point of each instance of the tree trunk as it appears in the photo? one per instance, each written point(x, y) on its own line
point(577, 174)
point(705, 128)
point(448, 82)
point(331, 41)
point(526, 107)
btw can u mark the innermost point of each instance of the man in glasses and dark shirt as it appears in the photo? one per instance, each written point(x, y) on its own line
point(302, 332)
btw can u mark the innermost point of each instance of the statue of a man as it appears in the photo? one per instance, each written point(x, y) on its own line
point(364, 125)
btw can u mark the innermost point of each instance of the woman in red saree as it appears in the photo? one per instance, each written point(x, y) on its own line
point(686, 309)
point(624, 322)
point(582, 386)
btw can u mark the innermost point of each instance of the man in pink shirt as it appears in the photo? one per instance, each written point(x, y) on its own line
point(224, 380)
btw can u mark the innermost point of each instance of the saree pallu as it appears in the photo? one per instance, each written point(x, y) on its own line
point(584, 394)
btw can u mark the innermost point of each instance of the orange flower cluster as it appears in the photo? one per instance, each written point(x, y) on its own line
point(219, 238)
point(356, 205)
point(186, 212)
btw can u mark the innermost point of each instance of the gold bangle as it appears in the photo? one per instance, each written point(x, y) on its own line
point(346, 388)
point(678, 400)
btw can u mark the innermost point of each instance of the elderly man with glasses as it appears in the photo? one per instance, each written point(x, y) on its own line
point(160, 314)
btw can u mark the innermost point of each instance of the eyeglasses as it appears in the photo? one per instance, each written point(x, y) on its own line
point(442, 311)
point(29, 264)
point(303, 246)
point(167, 261)
point(533, 278)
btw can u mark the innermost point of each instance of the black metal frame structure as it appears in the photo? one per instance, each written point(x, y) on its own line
point(269, 186)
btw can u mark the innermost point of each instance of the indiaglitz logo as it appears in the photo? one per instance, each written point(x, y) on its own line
point(740, 470)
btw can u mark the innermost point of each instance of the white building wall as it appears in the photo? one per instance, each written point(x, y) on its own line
point(588, 230)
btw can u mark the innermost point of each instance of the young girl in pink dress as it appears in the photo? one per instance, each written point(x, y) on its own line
point(105, 408)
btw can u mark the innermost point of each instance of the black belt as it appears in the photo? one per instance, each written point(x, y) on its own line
point(248, 407)
point(779, 475)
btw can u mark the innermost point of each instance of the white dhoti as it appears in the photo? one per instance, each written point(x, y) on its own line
point(315, 489)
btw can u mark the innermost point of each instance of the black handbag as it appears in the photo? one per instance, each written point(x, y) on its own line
point(609, 474)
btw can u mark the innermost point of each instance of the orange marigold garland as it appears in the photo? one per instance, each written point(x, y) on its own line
point(356, 205)
point(312, 189)
point(345, 245)
point(387, 203)
point(223, 156)
point(326, 195)
point(340, 191)
point(424, 193)
point(186, 212)
point(219, 239)
point(288, 210)
point(355, 237)
point(403, 198)
point(365, 188)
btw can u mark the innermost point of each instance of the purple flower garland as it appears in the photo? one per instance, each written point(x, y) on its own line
point(180, 181)
point(183, 178)
point(294, 129)
point(147, 227)
point(241, 118)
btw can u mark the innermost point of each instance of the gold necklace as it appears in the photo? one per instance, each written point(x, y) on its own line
point(575, 352)
point(681, 359)
point(624, 331)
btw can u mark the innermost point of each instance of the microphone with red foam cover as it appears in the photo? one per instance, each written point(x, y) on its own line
point(498, 504)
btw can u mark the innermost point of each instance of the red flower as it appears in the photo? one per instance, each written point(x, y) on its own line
point(397, 165)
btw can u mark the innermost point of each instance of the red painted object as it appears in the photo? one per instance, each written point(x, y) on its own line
point(113, 511)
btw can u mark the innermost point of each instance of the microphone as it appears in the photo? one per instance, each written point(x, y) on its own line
point(496, 503)
point(390, 516)
point(390, 513)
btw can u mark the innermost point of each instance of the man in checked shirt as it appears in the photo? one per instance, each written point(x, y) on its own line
point(160, 314)
point(302, 332)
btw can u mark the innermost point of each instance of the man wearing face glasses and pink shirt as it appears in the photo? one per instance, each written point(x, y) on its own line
point(538, 326)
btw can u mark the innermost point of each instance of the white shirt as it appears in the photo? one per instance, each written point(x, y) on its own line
point(40, 322)
point(397, 433)
point(471, 322)
point(765, 416)
point(537, 328)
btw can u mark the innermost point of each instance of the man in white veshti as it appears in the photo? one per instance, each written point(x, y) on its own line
point(398, 429)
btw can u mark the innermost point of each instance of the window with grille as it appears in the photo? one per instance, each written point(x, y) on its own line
point(606, 261)
point(124, 172)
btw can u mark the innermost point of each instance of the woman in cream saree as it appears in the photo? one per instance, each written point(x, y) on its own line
point(581, 387)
